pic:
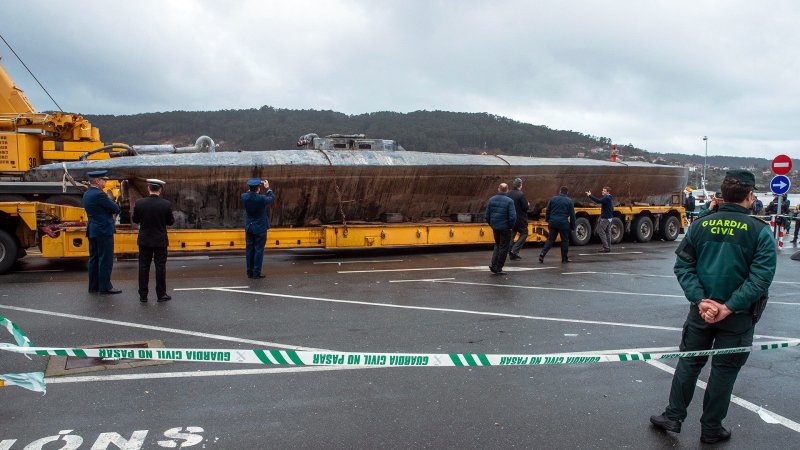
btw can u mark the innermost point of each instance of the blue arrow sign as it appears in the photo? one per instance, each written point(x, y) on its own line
point(780, 185)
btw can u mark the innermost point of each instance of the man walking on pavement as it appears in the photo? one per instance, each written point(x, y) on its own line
point(501, 216)
point(100, 211)
point(153, 213)
point(606, 214)
point(725, 265)
point(256, 224)
point(560, 219)
point(521, 206)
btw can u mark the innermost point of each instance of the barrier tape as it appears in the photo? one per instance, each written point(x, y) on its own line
point(31, 380)
point(35, 381)
point(362, 359)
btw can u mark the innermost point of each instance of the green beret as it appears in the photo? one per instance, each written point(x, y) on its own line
point(744, 177)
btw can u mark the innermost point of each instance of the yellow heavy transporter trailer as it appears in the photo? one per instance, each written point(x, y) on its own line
point(59, 231)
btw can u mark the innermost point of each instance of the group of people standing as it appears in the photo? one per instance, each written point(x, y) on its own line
point(507, 215)
point(154, 215)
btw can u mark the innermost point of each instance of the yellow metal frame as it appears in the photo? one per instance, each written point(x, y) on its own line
point(72, 242)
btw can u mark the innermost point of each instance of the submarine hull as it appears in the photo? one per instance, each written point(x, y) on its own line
point(333, 186)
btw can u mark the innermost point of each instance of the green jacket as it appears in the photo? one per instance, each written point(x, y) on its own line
point(727, 256)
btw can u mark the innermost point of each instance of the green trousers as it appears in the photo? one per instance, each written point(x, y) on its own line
point(735, 330)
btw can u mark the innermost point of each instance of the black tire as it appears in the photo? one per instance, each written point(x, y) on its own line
point(582, 233)
point(617, 230)
point(12, 198)
point(8, 251)
point(66, 200)
point(670, 228)
point(642, 229)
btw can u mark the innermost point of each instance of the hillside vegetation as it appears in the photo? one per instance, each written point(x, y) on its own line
point(269, 128)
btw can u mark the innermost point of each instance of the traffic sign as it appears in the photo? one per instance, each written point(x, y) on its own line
point(780, 185)
point(781, 165)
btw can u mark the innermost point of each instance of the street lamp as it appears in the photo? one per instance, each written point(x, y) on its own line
point(705, 163)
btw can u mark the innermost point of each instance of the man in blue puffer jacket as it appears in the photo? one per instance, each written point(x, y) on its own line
point(501, 216)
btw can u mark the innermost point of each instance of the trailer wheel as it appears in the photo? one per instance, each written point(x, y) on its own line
point(617, 230)
point(12, 198)
point(66, 200)
point(642, 229)
point(8, 251)
point(670, 228)
point(583, 231)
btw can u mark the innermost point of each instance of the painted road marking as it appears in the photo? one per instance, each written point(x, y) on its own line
point(359, 262)
point(467, 311)
point(618, 273)
point(164, 329)
point(423, 279)
point(788, 423)
point(486, 268)
point(207, 288)
point(610, 253)
point(202, 373)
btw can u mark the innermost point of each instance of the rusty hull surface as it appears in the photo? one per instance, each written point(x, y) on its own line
point(205, 188)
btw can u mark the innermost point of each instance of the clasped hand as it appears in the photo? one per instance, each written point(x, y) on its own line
point(712, 311)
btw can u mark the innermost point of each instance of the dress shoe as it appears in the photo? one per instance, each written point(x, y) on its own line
point(143, 299)
point(255, 277)
point(567, 260)
point(164, 298)
point(110, 292)
point(541, 259)
point(492, 269)
point(665, 423)
point(514, 256)
point(604, 250)
point(500, 272)
point(719, 436)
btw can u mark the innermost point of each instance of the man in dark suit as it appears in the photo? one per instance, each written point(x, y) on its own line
point(501, 216)
point(521, 206)
point(100, 211)
point(560, 219)
point(256, 224)
point(153, 214)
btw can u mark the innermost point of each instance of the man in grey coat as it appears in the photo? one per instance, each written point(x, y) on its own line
point(501, 216)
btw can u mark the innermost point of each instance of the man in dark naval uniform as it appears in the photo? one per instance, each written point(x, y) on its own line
point(153, 214)
point(256, 224)
point(725, 266)
point(560, 219)
point(100, 211)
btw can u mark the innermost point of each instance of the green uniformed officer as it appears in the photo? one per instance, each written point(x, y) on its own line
point(725, 265)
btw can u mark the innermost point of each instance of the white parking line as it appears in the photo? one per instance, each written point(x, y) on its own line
point(359, 262)
point(419, 269)
point(202, 373)
point(788, 423)
point(618, 273)
point(609, 253)
point(423, 279)
point(207, 288)
point(164, 329)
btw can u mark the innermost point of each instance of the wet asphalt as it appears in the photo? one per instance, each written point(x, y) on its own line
point(444, 301)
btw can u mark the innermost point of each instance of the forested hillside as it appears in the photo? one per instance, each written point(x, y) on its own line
point(269, 128)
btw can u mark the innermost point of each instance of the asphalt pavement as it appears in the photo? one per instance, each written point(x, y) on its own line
point(407, 301)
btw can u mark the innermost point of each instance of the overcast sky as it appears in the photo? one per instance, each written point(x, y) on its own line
point(657, 74)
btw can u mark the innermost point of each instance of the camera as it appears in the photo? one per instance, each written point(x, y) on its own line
point(718, 195)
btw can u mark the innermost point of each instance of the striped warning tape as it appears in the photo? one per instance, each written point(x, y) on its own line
point(309, 358)
point(31, 380)
point(35, 381)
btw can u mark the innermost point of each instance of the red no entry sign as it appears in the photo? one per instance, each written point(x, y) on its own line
point(781, 165)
